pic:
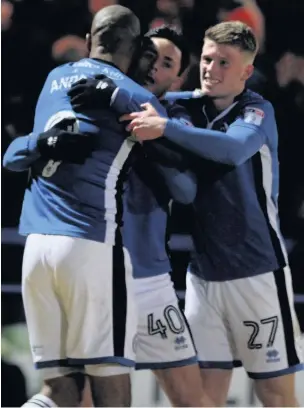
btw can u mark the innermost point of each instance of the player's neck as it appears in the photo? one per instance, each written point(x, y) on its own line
point(118, 60)
point(221, 104)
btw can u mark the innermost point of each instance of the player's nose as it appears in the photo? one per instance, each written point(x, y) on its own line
point(155, 68)
point(211, 67)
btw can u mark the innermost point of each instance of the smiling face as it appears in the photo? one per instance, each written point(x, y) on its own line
point(164, 58)
point(224, 70)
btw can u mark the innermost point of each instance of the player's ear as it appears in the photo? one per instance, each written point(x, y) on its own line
point(247, 72)
point(88, 41)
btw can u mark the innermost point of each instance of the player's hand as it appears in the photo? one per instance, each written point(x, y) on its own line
point(148, 110)
point(92, 93)
point(148, 128)
point(61, 143)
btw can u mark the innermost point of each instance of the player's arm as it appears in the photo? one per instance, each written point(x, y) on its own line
point(162, 150)
point(234, 147)
point(182, 185)
point(242, 140)
point(166, 152)
point(180, 95)
point(21, 153)
point(172, 163)
point(55, 144)
point(102, 92)
point(125, 101)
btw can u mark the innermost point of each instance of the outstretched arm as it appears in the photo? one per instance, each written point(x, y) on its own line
point(103, 92)
point(244, 137)
point(234, 147)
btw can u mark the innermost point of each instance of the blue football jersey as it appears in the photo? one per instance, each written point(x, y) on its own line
point(145, 214)
point(82, 200)
point(149, 187)
point(235, 224)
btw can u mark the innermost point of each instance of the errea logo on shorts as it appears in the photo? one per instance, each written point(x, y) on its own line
point(180, 343)
point(272, 356)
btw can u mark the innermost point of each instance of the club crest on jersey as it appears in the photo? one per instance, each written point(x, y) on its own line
point(253, 115)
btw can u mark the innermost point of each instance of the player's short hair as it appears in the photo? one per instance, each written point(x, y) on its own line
point(176, 38)
point(234, 33)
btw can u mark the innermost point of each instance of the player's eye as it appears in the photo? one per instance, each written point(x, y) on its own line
point(149, 55)
point(224, 63)
point(207, 60)
point(167, 65)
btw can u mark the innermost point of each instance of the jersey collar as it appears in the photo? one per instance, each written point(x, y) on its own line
point(106, 62)
point(210, 107)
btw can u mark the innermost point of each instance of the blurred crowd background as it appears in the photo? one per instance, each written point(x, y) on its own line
point(38, 35)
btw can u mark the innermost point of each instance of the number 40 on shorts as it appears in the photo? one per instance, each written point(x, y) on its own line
point(172, 320)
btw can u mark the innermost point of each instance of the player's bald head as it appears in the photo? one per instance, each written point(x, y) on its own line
point(114, 26)
point(116, 17)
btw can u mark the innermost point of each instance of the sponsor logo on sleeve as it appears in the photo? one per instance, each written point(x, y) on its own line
point(253, 115)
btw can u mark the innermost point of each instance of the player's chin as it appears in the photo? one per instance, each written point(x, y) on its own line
point(208, 91)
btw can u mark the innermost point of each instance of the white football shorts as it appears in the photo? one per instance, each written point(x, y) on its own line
point(249, 322)
point(163, 336)
point(79, 303)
